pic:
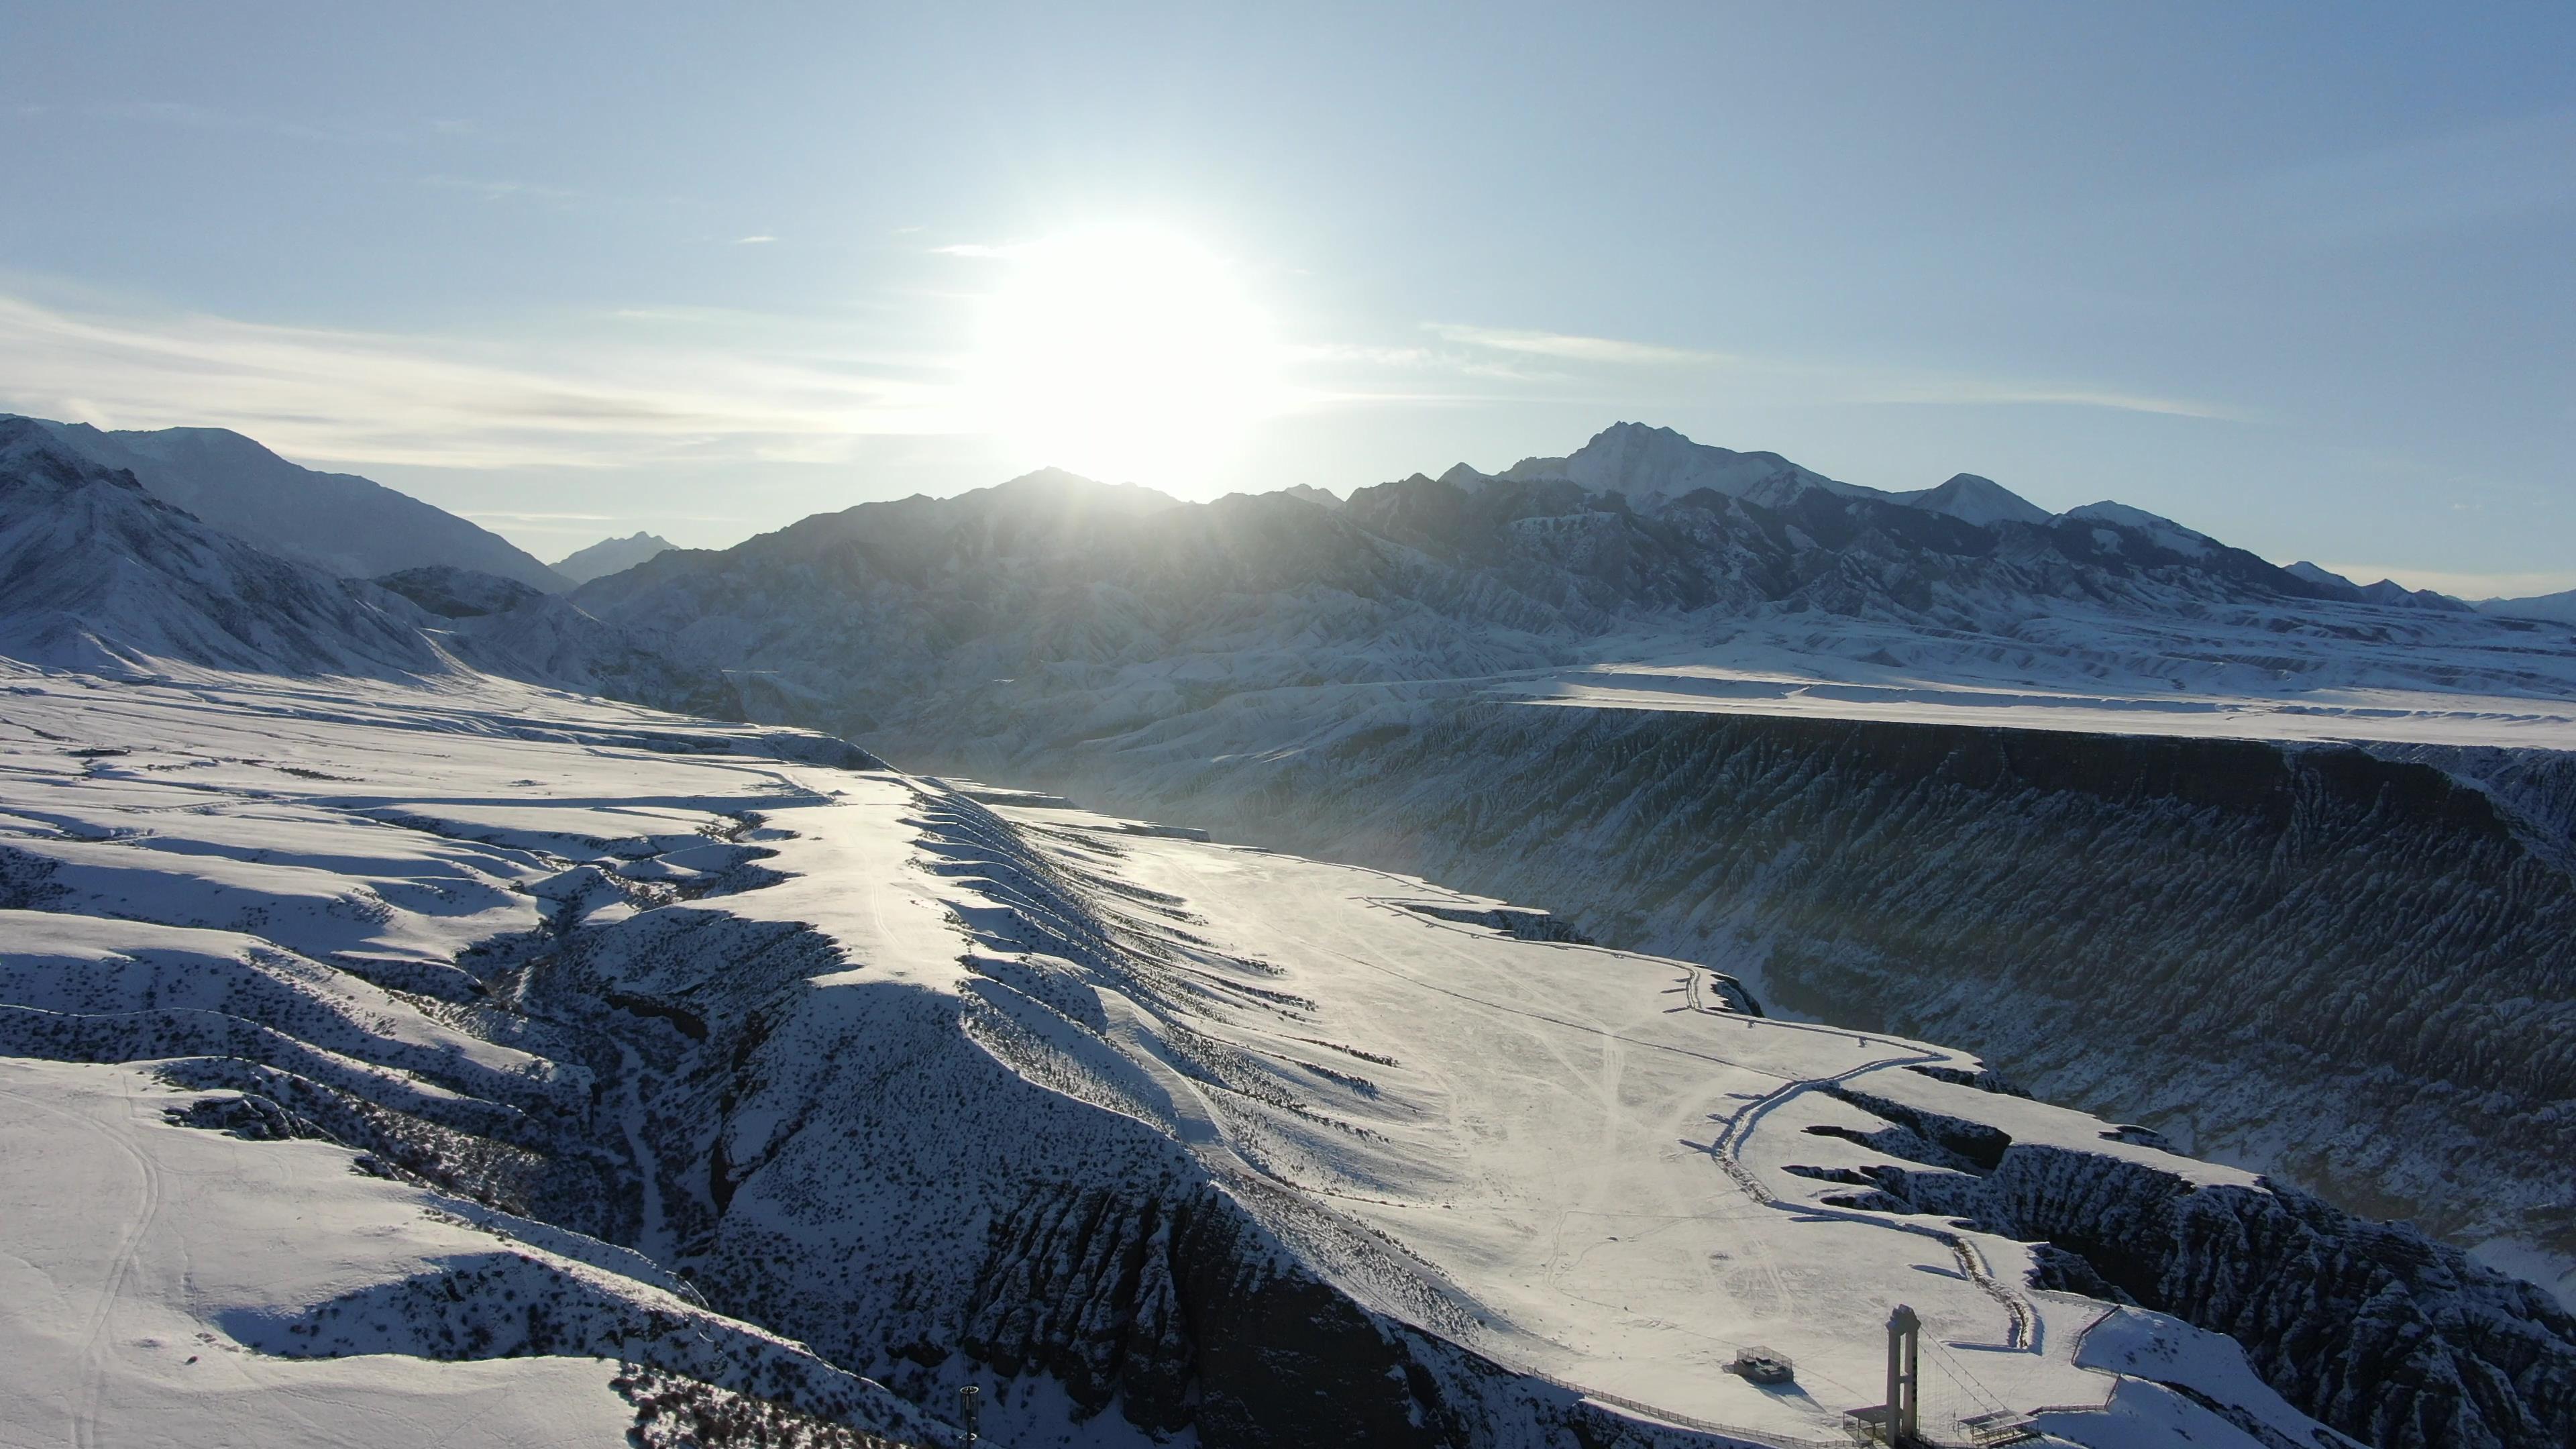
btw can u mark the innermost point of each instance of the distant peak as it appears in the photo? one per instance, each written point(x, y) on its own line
point(1978, 500)
point(2314, 573)
point(1061, 486)
point(1323, 497)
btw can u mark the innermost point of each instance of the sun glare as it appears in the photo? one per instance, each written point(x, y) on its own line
point(1128, 355)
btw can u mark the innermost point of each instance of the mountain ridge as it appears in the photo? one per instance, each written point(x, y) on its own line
point(346, 525)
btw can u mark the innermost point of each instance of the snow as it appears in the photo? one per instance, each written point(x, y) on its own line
point(1551, 1147)
point(1981, 501)
point(149, 1269)
point(1647, 463)
point(343, 524)
point(2224, 674)
point(2560, 607)
point(2165, 531)
point(1576, 1161)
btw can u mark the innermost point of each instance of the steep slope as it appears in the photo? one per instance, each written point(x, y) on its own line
point(340, 523)
point(788, 1068)
point(96, 572)
point(609, 556)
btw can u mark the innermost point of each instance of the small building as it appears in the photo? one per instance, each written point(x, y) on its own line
point(1758, 1365)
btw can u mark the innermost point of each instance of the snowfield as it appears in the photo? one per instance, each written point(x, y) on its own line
point(504, 1038)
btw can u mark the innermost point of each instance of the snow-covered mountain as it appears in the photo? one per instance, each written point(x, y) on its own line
point(1254, 660)
point(97, 573)
point(1647, 464)
point(2558, 607)
point(604, 1071)
point(344, 525)
point(1050, 600)
point(609, 556)
point(2386, 591)
point(505, 627)
point(588, 1068)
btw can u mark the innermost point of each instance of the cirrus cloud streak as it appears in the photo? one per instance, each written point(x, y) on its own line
point(346, 396)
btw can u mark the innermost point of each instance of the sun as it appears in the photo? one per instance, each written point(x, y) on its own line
point(1129, 355)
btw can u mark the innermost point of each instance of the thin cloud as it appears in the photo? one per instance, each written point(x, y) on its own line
point(1576, 348)
point(359, 397)
point(1970, 391)
point(496, 190)
point(752, 241)
point(1819, 381)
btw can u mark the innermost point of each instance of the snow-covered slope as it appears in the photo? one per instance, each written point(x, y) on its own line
point(1981, 501)
point(1148, 1136)
point(96, 573)
point(505, 627)
point(347, 526)
point(2558, 607)
point(610, 555)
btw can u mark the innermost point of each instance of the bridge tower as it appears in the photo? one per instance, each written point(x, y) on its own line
point(1904, 1378)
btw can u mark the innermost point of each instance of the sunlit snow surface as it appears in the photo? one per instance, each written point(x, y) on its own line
point(1572, 1160)
point(2385, 675)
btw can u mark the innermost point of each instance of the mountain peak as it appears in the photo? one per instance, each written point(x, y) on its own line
point(1978, 500)
point(611, 556)
point(1064, 487)
point(1646, 462)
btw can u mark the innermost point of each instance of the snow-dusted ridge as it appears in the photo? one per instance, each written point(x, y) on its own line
point(339, 523)
point(1152, 1136)
point(102, 574)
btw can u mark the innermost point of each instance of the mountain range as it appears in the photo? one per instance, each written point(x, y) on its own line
point(809, 1088)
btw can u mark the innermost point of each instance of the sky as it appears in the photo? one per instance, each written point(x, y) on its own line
point(2299, 277)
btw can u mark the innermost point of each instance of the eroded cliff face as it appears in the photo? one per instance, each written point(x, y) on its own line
point(2370, 1327)
point(2358, 972)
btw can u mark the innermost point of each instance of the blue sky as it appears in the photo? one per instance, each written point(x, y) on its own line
point(2299, 277)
